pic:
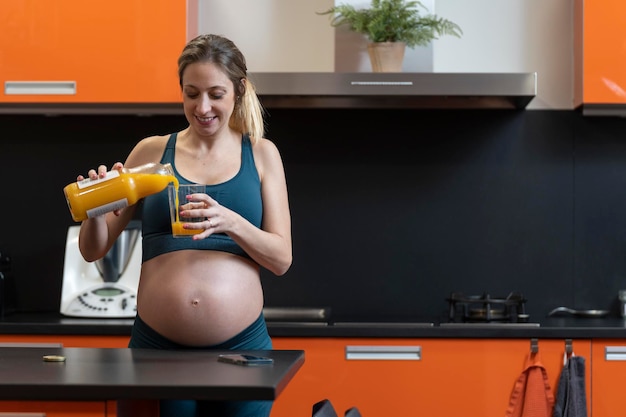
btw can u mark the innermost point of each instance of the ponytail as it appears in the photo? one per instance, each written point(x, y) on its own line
point(248, 114)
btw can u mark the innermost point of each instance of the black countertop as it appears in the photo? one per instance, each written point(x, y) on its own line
point(88, 374)
point(548, 328)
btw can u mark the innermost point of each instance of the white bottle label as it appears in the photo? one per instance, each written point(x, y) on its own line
point(115, 205)
point(89, 182)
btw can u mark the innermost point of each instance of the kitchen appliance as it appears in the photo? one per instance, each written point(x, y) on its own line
point(105, 288)
point(487, 309)
point(395, 90)
point(579, 313)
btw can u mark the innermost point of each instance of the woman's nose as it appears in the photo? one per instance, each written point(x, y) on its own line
point(204, 103)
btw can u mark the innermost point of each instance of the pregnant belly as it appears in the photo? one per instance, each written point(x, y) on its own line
point(199, 298)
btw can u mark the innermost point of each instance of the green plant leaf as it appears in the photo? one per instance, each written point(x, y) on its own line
point(393, 21)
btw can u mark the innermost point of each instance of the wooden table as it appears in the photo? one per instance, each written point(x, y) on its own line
point(93, 374)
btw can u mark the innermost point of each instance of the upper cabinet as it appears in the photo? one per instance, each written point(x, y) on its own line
point(73, 51)
point(600, 55)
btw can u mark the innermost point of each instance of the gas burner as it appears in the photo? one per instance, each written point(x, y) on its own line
point(484, 308)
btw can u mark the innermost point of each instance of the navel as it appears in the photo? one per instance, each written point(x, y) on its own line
point(195, 302)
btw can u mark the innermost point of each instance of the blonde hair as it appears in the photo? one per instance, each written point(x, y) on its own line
point(248, 114)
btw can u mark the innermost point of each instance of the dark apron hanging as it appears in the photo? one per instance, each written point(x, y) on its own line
point(571, 397)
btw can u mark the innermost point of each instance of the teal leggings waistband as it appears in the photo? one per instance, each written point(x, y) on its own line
point(255, 336)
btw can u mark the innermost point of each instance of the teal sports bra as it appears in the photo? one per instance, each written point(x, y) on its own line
point(242, 194)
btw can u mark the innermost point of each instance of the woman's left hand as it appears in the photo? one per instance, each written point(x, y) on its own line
point(202, 206)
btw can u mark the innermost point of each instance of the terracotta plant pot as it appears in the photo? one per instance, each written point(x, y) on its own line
point(386, 56)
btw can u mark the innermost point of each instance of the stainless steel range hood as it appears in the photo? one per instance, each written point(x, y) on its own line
point(343, 90)
point(395, 90)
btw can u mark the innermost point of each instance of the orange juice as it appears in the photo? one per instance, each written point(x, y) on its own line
point(177, 222)
point(177, 229)
point(119, 189)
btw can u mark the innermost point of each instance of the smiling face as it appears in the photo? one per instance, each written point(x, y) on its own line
point(208, 98)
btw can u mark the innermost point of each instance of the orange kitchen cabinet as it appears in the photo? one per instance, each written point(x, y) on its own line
point(55, 409)
point(603, 52)
point(609, 368)
point(63, 408)
point(118, 51)
point(68, 340)
point(468, 377)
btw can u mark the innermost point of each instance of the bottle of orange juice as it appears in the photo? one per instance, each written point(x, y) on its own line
point(118, 189)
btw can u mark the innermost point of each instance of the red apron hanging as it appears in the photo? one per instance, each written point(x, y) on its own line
point(531, 396)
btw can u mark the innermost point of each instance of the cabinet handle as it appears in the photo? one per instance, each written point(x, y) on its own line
point(394, 353)
point(615, 353)
point(40, 87)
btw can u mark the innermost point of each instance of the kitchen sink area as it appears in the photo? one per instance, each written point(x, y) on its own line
point(321, 317)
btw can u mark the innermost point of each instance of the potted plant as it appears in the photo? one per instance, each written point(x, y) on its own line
point(391, 26)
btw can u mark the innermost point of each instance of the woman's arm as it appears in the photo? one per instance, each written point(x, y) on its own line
point(270, 245)
point(97, 235)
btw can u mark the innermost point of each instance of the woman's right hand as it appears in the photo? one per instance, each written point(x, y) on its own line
point(100, 172)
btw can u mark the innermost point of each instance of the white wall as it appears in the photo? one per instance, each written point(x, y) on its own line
point(274, 35)
point(513, 36)
point(498, 36)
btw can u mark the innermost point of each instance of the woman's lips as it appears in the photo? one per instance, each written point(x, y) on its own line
point(205, 119)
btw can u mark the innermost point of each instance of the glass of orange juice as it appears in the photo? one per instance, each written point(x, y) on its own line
point(177, 198)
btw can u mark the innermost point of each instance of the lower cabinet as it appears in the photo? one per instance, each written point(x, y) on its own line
point(56, 409)
point(61, 408)
point(67, 340)
point(405, 377)
point(391, 376)
point(609, 368)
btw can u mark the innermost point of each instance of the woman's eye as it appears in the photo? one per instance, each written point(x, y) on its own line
point(211, 96)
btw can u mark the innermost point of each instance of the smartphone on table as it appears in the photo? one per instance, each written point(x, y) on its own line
point(245, 359)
